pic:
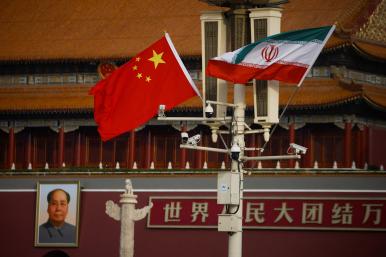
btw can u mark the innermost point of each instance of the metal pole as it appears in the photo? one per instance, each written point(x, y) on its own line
point(203, 148)
point(277, 157)
point(221, 119)
point(235, 238)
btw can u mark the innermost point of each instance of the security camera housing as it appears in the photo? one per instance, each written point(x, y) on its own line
point(161, 110)
point(194, 140)
point(298, 148)
point(235, 152)
point(209, 111)
point(184, 137)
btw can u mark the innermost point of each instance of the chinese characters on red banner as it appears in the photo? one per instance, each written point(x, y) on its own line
point(322, 213)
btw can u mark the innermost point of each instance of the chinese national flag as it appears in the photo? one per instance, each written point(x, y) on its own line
point(131, 95)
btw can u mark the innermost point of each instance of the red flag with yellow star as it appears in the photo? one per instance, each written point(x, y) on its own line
point(131, 95)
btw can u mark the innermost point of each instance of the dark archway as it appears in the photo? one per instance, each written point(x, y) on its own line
point(56, 253)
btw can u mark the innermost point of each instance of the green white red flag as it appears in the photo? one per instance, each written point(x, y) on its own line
point(131, 95)
point(285, 57)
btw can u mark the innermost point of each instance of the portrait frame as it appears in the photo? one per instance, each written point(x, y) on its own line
point(46, 234)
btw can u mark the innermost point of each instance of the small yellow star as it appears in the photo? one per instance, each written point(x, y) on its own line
point(135, 67)
point(148, 79)
point(139, 75)
point(156, 59)
point(137, 59)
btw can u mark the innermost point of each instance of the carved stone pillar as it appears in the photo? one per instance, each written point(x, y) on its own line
point(127, 214)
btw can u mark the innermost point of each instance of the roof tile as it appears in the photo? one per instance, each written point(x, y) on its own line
point(97, 29)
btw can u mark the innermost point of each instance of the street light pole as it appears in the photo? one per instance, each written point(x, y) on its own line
point(235, 238)
point(242, 23)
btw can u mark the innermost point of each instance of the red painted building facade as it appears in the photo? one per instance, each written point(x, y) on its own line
point(293, 222)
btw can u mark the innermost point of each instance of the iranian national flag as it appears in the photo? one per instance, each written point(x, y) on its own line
point(285, 57)
point(131, 95)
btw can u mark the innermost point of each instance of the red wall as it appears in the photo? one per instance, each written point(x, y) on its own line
point(99, 235)
point(377, 146)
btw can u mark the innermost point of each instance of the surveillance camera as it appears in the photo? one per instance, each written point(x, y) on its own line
point(298, 148)
point(209, 111)
point(194, 140)
point(235, 152)
point(184, 137)
point(161, 110)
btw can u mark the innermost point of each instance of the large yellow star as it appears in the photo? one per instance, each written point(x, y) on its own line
point(156, 59)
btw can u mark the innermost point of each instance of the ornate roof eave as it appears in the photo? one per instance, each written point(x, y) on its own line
point(369, 55)
point(38, 112)
point(374, 104)
point(121, 58)
point(342, 44)
point(375, 52)
point(324, 105)
point(85, 111)
point(355, 38)
point(179, 110)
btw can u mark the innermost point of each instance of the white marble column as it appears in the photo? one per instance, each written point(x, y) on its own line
point(127, 214)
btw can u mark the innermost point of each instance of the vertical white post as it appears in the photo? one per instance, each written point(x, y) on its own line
point(214, 17)
point(235, 238)
point(128, 201)
point(272, 18)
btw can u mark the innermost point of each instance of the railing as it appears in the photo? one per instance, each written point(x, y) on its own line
point(101, 170)
point(113, 172)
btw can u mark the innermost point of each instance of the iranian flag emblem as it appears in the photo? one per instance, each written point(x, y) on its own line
point(269, 52)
